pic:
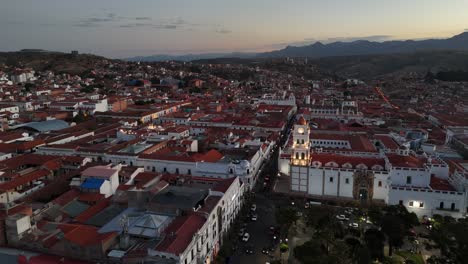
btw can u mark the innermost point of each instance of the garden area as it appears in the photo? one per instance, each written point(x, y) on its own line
point(351, 235)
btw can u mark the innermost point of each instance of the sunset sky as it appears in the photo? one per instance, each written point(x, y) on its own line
point(123, 28)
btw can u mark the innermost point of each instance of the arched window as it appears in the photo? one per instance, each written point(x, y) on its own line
point(302, 155)
point(297, 155)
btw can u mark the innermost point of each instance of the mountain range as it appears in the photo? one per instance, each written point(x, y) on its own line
point(320, 50)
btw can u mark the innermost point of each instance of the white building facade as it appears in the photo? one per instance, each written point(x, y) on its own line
point(423, 185)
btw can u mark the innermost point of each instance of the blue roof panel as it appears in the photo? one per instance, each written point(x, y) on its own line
point(92, 183)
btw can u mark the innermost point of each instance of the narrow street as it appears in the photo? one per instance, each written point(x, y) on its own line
point(266, 202)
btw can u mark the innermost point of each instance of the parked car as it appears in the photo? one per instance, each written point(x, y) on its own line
point(265, 251)
point(353, 225)
point(254, 217)
point(341, 217)
point(253, 208)
point(246, 237)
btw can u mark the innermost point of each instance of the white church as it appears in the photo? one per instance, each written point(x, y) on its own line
point(423, 184)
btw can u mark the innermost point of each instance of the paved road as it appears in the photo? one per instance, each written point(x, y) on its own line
point(266, 203)
point(258, 231)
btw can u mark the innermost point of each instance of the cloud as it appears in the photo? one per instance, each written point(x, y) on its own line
point(98, 21)
point(174, 23)
point(223, 31)
point(133, 25)
point(167, 26)
point(143, 18)
point(86, 24)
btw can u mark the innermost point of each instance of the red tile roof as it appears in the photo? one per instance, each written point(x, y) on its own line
point(93, 210)
point(224, 185)
point(24, 179)
point(66, 197)
point(441, 184)
point(180, 233)
point(325, 158)
point(387, 141)
point(91, 197)
point(406, 161)
point(84, 235)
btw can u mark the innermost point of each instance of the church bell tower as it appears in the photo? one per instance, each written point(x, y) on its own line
point(301, 144)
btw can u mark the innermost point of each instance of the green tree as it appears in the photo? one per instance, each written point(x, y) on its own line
point(394, 228)
point(375, 243)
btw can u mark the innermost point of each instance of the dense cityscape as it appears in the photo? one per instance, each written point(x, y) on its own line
point(208, 133)
point(171, 163)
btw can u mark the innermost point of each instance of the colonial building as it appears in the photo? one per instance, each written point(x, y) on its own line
point(421, 183)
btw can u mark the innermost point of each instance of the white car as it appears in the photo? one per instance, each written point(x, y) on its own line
point(341, 217)
point(353, 225)
point(254, 217)
point(246, 237)
point(253, 208)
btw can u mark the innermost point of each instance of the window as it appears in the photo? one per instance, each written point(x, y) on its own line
point(302, 155)
point(380, 183)
point(177, 170)
point(408, 179)
point(411, 204)
point(452, 207)
point(297, 155)
point(331, 179)
point(189, 172)
point(297, 141)
point(347, 180)
point(421, 205)
point(165, 169)
point(441, 205)
point(400, 202)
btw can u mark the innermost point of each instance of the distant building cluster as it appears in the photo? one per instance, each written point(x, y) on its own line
point(151, 162)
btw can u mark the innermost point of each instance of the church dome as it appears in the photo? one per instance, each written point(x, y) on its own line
point(302, 121)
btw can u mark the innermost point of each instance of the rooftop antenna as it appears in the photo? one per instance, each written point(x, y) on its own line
point(124, 239)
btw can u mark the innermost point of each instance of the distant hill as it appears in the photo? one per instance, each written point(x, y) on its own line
point(191, 57)
point(372, 66)
point(363, 66)
point(364, 47)
point(54, 61)
point(320, 50)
